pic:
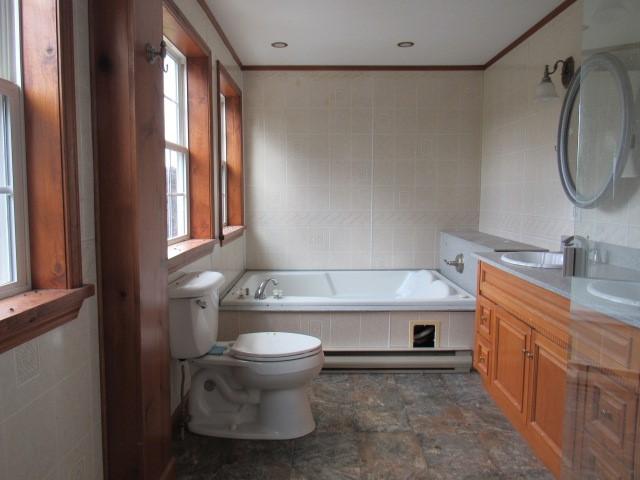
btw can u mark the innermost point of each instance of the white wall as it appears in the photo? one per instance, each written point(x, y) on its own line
point(50, 387)
point(522, 198)
point(359, 169)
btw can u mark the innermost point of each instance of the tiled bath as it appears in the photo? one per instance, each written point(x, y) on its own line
point(340, 330)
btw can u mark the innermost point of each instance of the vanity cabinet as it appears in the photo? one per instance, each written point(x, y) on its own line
point(605, 422)
point(521, 350)
point(567, 379)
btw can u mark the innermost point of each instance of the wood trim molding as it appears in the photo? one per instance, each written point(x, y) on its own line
point(230, 233)
point(227, 87)
point(29, 315)
point(50, 140)
point(218, 28)
point(410, 68)
point(546, 19)
point(200, 111)
point(128, 133)
point(364, 68)
point(184, 253)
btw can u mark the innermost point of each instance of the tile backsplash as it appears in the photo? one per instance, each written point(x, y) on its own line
point(359, 169)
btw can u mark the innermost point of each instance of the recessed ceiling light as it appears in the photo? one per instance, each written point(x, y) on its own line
point(406, 44)
point(279, 44)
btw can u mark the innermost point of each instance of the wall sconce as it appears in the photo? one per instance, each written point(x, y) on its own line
point(546, 90)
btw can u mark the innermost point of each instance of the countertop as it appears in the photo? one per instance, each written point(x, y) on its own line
point(573, 288)
point(497, 244)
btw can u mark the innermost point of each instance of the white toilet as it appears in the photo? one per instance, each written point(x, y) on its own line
point(253, 388)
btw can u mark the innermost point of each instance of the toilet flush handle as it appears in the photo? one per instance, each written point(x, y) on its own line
point(201, 303)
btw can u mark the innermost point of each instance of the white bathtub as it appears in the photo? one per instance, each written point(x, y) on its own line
point(350, 290)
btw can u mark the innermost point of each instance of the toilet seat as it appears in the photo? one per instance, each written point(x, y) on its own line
point(274, 346)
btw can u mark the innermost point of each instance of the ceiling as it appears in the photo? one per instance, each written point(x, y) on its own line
point(366, 32)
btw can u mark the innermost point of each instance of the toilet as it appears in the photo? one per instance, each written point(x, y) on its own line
point(251, 388)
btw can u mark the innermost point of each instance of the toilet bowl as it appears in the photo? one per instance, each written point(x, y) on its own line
point(251, 388)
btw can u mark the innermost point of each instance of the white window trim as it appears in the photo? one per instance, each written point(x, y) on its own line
point(183, 147)
point(13, 93)
point(223, 161)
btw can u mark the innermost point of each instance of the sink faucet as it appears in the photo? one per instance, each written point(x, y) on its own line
point(574, 263)
point(260, 292)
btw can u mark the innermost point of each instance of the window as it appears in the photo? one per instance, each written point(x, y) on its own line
point(223, 162)
point(14, 268)
point(176, 145)
point(231, 176)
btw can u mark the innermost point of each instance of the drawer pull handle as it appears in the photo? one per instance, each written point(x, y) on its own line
point(481, 358)
point(606, 414)
point(527, 353)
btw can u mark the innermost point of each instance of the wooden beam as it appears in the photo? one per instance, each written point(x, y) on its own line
point(128, 126)
point(365, 68)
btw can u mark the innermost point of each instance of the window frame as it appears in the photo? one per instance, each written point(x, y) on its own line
point(13, 93)
point(231, 187)
point(47, 78)
point(179, 31)
point(183, 135)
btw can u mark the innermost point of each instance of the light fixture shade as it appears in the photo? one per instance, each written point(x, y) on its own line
point(546, 90)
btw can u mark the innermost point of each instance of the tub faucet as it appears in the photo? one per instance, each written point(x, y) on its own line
point(260, 295)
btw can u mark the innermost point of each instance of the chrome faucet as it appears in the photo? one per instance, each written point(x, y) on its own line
point(260, 292)
point(574, 262)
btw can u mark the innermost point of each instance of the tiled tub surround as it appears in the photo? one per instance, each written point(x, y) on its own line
point(355, 330)
point(359, 169)
point(331, 290)
point(522, 198)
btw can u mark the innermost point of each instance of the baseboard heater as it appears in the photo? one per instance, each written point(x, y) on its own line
point(433, 361)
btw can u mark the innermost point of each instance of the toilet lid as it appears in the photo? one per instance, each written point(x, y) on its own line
point(273, 345)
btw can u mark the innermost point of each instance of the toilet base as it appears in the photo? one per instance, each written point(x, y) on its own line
point(280, 415)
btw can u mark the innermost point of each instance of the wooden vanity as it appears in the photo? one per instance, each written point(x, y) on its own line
point(567, 380)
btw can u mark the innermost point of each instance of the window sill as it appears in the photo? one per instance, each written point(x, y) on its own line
point(231, 233)
point(184, 253)
point(28, 315)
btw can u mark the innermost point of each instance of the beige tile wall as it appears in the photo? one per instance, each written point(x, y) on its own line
point(359, 169)
point(50, 387)
point(521, 195)
point(353, 330)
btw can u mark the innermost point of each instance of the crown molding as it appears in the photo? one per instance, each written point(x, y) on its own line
point(410, 68)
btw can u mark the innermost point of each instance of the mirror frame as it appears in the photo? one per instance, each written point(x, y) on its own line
point(597, 62)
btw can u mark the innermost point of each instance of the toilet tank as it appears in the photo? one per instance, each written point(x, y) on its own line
point(193, 313)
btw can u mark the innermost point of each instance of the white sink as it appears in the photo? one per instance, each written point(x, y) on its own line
point(624, 293)
point(534, 259)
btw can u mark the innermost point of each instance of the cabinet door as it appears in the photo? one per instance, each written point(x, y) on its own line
point(485, 318)
point(547, 391)
point(510, 372)
point(482, 358)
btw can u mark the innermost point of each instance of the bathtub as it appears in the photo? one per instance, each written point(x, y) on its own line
point(349, 290)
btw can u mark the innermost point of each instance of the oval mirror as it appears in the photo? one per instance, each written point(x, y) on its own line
point(594, 133)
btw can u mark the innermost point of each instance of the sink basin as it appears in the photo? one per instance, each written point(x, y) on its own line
point(534, 259)
point(624, 293)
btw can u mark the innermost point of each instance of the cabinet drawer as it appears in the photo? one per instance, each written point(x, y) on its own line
point(610, 414)
point(598, 464)
point(482, 358)
point(484, 318)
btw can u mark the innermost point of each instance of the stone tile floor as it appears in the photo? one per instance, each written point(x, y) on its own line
point(378, 427)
